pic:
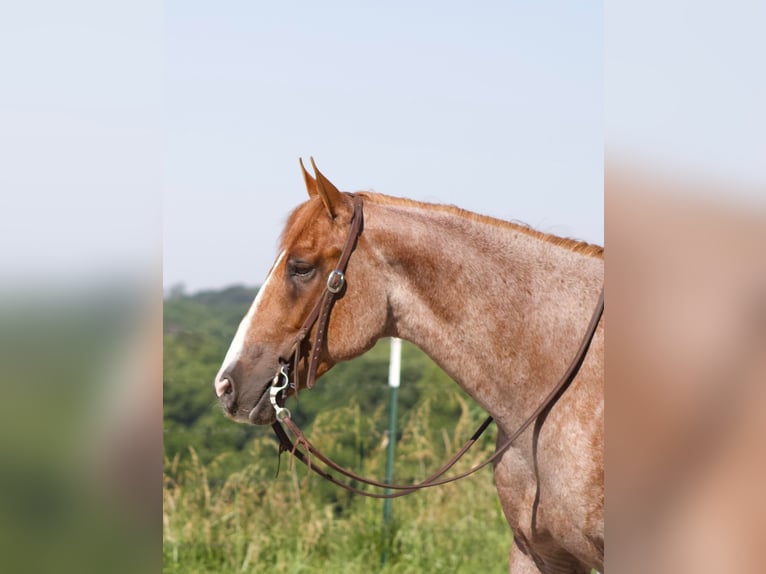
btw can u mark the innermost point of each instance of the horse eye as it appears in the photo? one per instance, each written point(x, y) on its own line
point(300, 269)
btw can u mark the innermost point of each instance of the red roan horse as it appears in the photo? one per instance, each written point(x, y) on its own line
point(500, 307)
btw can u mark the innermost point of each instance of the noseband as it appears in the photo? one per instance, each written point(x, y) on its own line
point(320, 315)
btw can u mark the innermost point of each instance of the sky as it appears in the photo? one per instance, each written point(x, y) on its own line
point(163, 137)
point(684, 89)
point(496, 108)
point(81, 142)
point(149, 137)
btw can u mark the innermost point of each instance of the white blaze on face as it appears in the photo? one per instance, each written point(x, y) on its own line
point(238, 343)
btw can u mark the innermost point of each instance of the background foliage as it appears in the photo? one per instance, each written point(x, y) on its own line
point(225, 511)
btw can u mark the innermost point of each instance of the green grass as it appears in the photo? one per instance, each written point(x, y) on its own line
point(250, 521)
point(225, 511)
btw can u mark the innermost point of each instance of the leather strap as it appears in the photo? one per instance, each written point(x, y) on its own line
point(557, 392)
point(320, 314)
point(538, 416)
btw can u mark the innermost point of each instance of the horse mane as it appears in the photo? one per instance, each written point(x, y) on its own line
point(571, 244)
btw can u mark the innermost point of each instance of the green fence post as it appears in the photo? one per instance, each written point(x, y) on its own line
point(394, 377)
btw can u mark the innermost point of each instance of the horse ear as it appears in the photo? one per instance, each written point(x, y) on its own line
point(311, 183)
point(330, 195)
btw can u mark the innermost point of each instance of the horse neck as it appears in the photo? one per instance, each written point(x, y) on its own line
point(499, 309)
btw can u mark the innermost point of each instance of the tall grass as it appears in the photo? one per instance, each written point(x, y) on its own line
point(252, 521)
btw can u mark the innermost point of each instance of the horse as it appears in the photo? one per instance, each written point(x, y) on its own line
point(500, 307)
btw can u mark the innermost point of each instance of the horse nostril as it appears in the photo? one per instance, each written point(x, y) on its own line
point(223, 387)
point(226, 392)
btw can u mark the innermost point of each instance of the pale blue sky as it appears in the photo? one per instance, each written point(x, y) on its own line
point(685, 86)
point(495, 107)
point(81, 142)
point(135, 130)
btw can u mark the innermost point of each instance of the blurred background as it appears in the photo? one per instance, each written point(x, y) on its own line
point(685, 212)
point(81, 176)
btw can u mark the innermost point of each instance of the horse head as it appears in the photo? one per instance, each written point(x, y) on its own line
point(268, 336)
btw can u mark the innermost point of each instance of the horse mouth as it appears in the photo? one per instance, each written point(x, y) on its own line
point(262, 412)
point(255, 402)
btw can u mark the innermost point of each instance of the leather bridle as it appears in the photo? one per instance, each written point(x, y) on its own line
point(320, 315)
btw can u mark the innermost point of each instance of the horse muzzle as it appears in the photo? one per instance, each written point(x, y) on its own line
point(245, 401)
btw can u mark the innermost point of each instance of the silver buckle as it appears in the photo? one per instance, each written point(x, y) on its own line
point(275, 389)
point(335, 281)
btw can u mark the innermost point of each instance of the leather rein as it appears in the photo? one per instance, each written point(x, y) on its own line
point(320, 315)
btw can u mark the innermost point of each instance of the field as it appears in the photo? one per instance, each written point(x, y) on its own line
point(224, 510)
